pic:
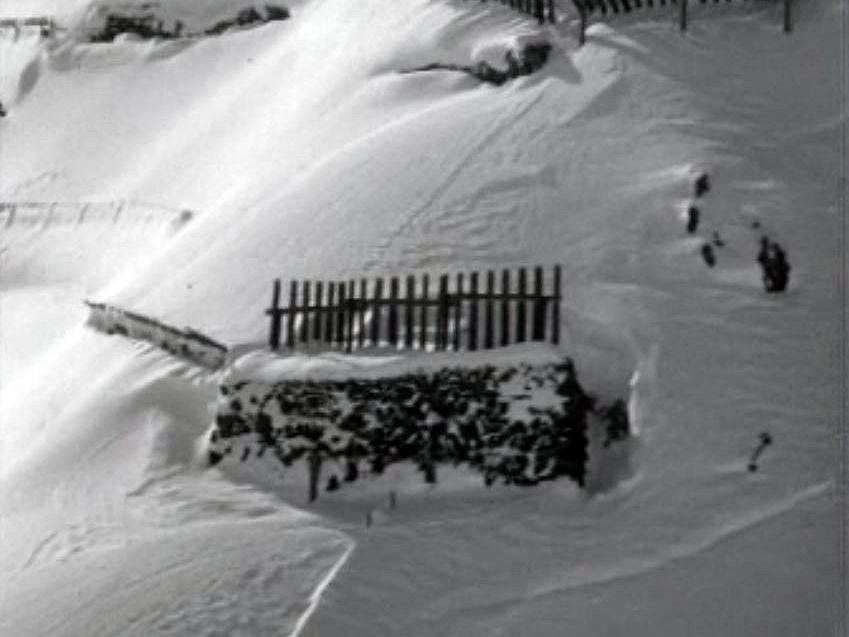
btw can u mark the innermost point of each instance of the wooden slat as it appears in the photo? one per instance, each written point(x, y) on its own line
point(393, 312)
point(489, 312)
point(555, 308)
point(274, 311)
point(290, 322)
point(350, 311)
point(376, 312)
point(505, 308)
point(341, 314)
point(522, 309)
point(442, 314)
point(538, 305)
point(473, 312)
point(318, 318)
point(409, 312)
point(361, 314)
point(305, 314)
point(330, 313)
point(424, 313)
point(458, 312)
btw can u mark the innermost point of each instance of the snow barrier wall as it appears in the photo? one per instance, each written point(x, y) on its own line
point(518, 424)
point(186, 343)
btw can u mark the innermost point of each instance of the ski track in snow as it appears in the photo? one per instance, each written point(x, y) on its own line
point(315, 596)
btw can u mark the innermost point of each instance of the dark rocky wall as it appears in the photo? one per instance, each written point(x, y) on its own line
point(518, 425)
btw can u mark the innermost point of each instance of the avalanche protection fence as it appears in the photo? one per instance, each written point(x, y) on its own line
point(45, 24)
point(542, 10)
point(354, 314)
point(588, 8)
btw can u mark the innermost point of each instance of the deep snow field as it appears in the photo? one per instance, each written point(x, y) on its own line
point(178, 178)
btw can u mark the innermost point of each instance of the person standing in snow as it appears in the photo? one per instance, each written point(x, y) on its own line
point(764, 260)
point(780, 268)
point(709, 255)
point(692, 219)
point(776, 269)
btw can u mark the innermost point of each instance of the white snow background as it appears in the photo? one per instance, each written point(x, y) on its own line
point(301, 151)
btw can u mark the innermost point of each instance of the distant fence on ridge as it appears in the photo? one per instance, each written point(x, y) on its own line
point(469, 314)
point(542, 10)
point(588, 8)
point(44, 23)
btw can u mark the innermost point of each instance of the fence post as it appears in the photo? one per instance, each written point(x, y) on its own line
point(330, 312)
point(305, 313)
point(290, 324)
point(473, 311)
point(788, 22)
point(376, 312)
point(442, 314)
point(341, 316)
point(551, 16)
point(683, 19)
point(505, 308)
point(274, 312)
point(319, 313)
point(522, 309)
point(425, 300)
point(555, 312)
point(538, 330)
point(393, 312)
point(410, 310)
point(352, 306)
point(458, 311)
point(361, 314)
point(489, 312)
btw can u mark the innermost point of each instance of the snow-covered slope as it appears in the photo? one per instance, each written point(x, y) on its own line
point(302, 151)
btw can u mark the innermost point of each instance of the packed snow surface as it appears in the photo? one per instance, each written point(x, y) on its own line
point(296, 149)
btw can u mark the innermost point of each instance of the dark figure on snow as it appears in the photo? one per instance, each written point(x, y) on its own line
point(780, 269)
point(701, 185)
point(773, 262)
point(692, 219)
point(764, 440)
point(2, 110)
point(709, 255)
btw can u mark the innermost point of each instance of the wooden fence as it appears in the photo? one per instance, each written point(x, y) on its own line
point(542, 10)
point(471, 314)
point(587, 8)
point(44, 23)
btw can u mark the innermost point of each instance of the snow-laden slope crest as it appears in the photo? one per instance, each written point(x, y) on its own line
point(304, 153)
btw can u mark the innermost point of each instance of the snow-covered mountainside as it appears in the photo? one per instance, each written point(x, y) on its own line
point(176, 178)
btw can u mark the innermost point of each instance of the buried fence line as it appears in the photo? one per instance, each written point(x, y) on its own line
point(586, 8)
point(542, 10)
point(186, 343)
point(470, 314)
